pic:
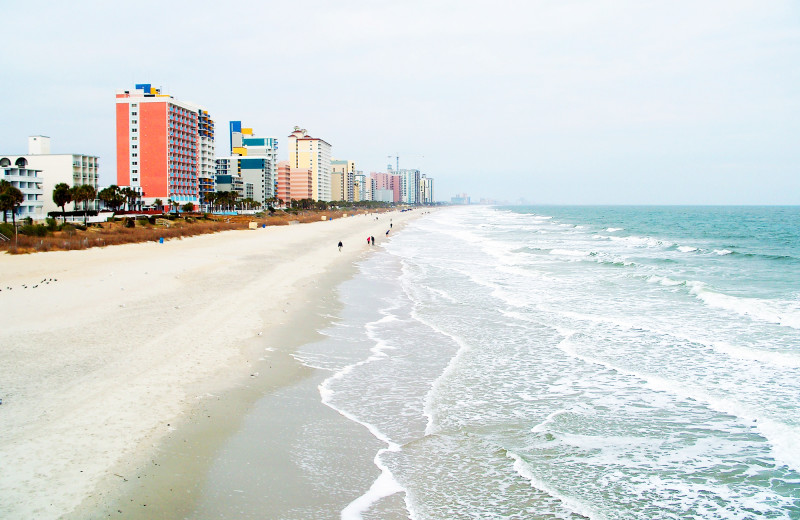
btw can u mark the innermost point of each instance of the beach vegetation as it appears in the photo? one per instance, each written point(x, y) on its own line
point(6, 229)
point(71, 236)
point(188, 207)
point(33, 230)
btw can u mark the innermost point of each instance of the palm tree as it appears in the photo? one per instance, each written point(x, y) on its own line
point(208, 198)
point(111, 197)
point(158, 203)
point(62, 196)
point(83, 193)
point(10, 199)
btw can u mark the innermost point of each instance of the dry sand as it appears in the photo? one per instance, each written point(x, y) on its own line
point(127, 343)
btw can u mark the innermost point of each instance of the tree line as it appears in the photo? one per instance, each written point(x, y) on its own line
point(114, 198)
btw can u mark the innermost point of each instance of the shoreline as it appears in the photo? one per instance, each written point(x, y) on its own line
point(118, 379)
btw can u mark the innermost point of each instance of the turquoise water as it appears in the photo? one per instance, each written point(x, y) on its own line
point(577, 362)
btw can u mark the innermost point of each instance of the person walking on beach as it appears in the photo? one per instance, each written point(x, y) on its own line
point(373, 241)
point(387, 232)
point(368, 240)
point(340, 246)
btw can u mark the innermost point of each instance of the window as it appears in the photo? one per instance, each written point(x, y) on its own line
point(134, 129)
point(134, 155)
point(135, 146)
point(134, 138)
point(134, 113)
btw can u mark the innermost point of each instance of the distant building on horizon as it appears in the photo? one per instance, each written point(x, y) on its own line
point(70, 168)
point(164, 146)
point(409, 186)
point(386, 182)
point(426, 190)
point(461, 198)
point(306, 152)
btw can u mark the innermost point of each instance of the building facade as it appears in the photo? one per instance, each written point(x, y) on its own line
point(228, 176)
point(409, 186)
point(159, 147)
point(262, 160)
point(26, 180)
point(362, 187)
point(426, 190)
point(294, 183)
point(206, 164)
point(343, 185)
point(71, 169)
point(306, 152)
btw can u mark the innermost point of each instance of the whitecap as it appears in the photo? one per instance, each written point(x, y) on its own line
point(569, 252)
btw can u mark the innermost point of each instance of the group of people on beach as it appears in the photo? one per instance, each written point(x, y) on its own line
point(370, 239)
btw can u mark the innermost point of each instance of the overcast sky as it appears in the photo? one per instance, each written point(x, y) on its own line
point(559, 102)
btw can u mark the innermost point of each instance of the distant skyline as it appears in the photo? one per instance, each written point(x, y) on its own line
point(570, 102)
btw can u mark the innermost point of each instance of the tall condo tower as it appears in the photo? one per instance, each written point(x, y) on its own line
point(306, 152)
point(165, 147)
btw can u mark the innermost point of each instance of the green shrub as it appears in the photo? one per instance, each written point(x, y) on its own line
point(7, 229)
point(32, 230)
point(52, 225)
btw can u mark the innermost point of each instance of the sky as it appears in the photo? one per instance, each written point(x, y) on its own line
point(553, 102)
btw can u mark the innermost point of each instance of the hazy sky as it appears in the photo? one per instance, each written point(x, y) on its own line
point(576, 102)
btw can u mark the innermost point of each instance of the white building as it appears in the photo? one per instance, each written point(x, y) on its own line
point(426, 190)
point(253, 172)
point(409, 186)
point(26, 180)
point(71, 169)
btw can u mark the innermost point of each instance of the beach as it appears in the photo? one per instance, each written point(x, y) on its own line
point(113, 355)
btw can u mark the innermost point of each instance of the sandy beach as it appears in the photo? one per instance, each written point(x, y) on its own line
point(108, 353)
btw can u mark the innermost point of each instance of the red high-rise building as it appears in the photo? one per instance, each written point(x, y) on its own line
point(162, 145)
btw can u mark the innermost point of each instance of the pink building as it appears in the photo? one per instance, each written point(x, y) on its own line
point(387, 181)
point(294, 183)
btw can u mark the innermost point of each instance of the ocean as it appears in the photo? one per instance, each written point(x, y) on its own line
point(574, 362)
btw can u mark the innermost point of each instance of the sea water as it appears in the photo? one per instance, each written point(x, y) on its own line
point(576, 362)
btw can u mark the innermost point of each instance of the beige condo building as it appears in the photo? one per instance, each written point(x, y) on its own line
point(314, 154)
point(342, 179)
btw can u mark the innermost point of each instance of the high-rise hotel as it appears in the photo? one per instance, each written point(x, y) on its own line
point(312, 153)
point(165, 147)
